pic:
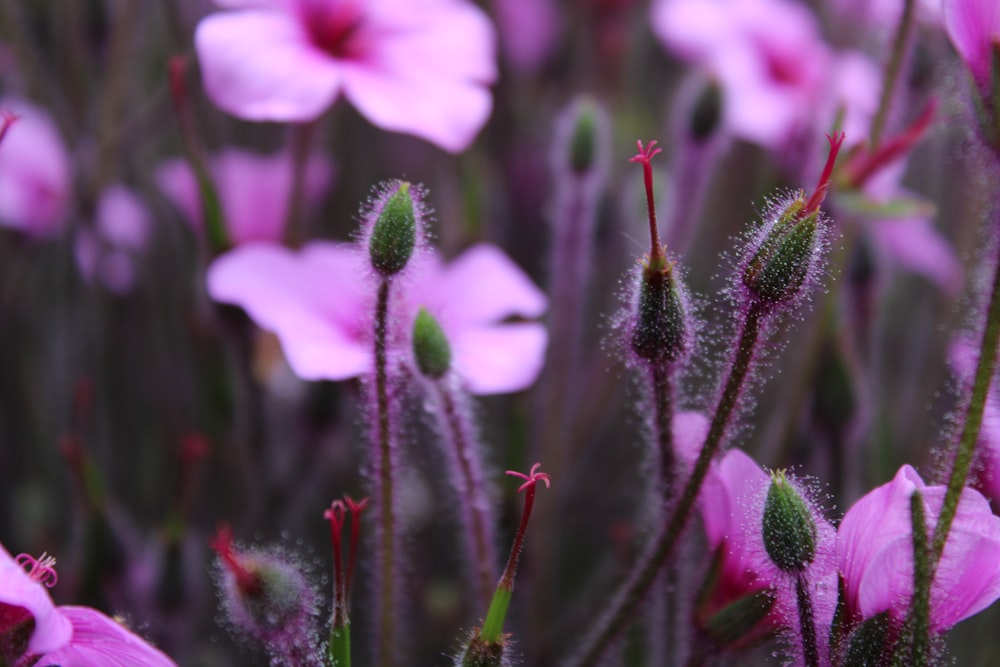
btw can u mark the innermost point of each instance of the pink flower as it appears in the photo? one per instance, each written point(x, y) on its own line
point(108, 251)
point(875, 553)
point(320, 303)
point(35, 178)
point(974, 29)
point(529, 30)
point(420, 67)
point(65, 636)
point(772, 64)
point(253, 190)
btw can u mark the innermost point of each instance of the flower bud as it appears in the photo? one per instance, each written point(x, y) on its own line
point(394, 233)
point(706, 114)
point(660, 327)
point(738, 619)
point(788, 526)
point(869, 642)
point(583, 142)
point(779, 268)
point(430, 346)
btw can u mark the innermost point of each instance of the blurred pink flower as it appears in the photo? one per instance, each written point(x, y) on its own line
point(777, 74)
point(34, 172)
point(529, 30)
point(974, 29)
point(420, 67)
point(320, 303)
point(887, 13)
point(108, 252)
point(253, 191)
point(875, 553)
point(66, 636)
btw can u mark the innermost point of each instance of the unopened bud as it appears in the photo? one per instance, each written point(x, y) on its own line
point(707, 112)
point(583, 141)
point(660, 327)
point(394, 233)
point(779, 268)
point(738, 619)
point(788, 526)
point(430, 346)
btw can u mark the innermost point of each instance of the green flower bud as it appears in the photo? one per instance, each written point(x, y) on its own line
point(738, 619)
point(660, 326)
point(430, 346)
point(778, 270)
point(394, 233)
point(707, 112)
point(868, 643)
point(583, 141)
point(788, 526)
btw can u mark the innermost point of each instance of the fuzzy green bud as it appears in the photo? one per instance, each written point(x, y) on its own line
point(394, 234)
point(788, 526)
point(707, 112)
point(779, 268)
point(430, 346)
point(868, 642)
point(583, 141)
point(738, 619)
point(660, 325)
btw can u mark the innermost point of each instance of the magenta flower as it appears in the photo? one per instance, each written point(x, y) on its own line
point(108, 252)
point(974, 29)
point(66, 636)
point(253, 190)
point(320, 303)
point(529, 30)
point(772, 64)
point(875, 553)
point(420, 67)
point(35, 179)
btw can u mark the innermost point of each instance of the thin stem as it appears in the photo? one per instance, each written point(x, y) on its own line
point(302, 139)
point(384, 474)
point(922, 579)
point(474, 499)
point(663, 409)
point(807, 624)
point(623, 605)
point(985, 369)
point(892, 70)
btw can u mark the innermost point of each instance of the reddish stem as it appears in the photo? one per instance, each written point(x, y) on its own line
point(336, 515)
point(531, 481)
point(819, 194)
point(247, 581)
point(644, 157)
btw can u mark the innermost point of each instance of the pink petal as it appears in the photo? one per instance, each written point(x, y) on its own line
point(973, 26)
point(481, 286)
point(500, 359)
point(176, 180)
point(98, 641)
point(123, 219)
point(316, 301)
point(259, 64)
point(918, 247)
point(728, 494)
point(689, 430)
point(52, 629)
point(529, 30)
point(34, 172)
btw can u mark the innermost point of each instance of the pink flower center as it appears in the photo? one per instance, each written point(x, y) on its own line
point(41, 570)
point(333, 26)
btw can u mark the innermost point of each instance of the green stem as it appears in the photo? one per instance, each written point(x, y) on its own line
point(384, 472)
point(922, 579)
point(892, 71)
point(625, 602)
point(339, 649)
point(807, 624)
point(985, 369)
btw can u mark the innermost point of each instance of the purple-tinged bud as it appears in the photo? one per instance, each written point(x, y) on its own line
point(789, 530)
point(737, 620)
point(394, 230)
point(870, 643)
point(584, 140)
point(430, 346)
point(661, 328)
point(706, 114)
point(788, 250)
point(267, 599)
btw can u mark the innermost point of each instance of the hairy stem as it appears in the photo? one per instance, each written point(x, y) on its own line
point(807, 624)
point(627, 599)
point(384, 471)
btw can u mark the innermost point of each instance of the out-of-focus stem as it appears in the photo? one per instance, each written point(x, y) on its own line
point(474, 499)
point(892, 70)
point(301, 140)
point(627, 599)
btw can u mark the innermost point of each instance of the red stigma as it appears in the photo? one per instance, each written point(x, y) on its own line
point(819, 194)
point(532, 478)
point(222, 543)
